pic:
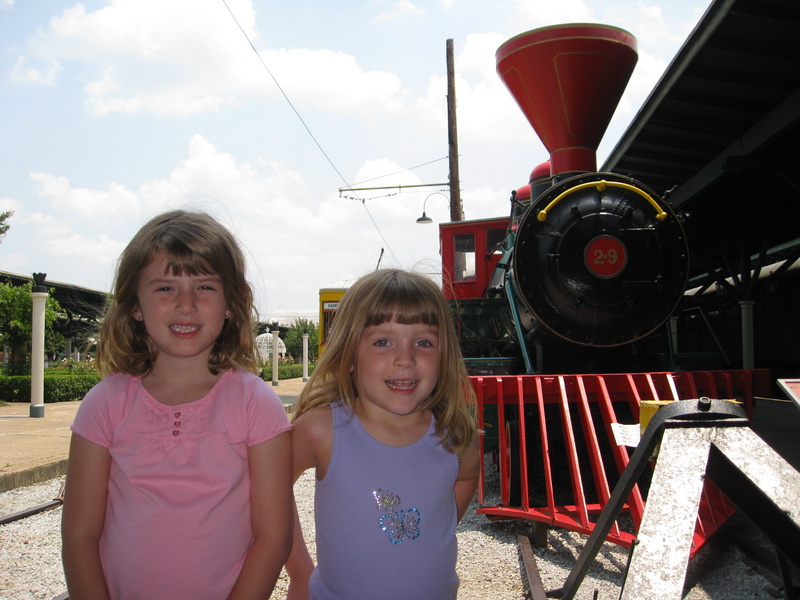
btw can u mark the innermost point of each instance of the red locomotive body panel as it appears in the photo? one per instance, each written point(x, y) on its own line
point(470, 253)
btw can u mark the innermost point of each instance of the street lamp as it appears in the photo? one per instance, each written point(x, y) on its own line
point(425, 219)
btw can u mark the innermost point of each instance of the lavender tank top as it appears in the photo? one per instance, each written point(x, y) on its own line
point(385, 518)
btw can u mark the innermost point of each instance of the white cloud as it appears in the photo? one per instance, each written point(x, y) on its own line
point(486, 112)
point(24, 72)
point(95, 248)
point(400, 8)
point(183, 57)
point(293, 239)
point(538, 14)
point(9, 204)
point(82, 203)
point(333, 82)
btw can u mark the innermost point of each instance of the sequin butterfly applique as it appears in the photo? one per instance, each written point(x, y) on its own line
point(399, 524)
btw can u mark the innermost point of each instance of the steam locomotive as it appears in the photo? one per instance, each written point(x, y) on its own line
point(563, 307)
point(588, 262)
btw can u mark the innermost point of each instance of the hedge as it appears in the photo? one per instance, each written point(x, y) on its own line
point(57, 388)
point(65, 387)
point(292, 371)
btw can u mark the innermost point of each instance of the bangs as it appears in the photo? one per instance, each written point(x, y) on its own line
point(392, 295)
point(185, 258)
point(189, 265)
point(408, 310)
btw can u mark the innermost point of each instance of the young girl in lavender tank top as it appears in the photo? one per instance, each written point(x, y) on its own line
point(179, 481)
point(386, 420)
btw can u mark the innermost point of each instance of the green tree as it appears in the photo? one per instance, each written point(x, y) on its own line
point(54, 342)
point(294, 339)
point(4, 217)
point(16, 323)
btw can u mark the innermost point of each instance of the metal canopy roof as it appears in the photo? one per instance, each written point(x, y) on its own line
point(83, 306)
point(721, 127)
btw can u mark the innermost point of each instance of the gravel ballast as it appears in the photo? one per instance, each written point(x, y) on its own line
point(488, 562)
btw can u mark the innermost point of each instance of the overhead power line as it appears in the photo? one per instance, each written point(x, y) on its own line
point(302, 121)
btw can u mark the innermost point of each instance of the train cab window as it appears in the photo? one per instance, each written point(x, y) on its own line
point(494, 237)
point(464, 257)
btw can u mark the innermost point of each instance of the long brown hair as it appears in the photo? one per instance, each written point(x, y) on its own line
point(194, 243)
point(406, 298)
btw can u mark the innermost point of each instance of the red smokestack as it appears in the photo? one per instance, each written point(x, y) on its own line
point(568, 79)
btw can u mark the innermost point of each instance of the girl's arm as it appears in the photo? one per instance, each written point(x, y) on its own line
point(271, 516)
point(299, 565)
point(469, 462)
point(82, 519)
point(312, 440)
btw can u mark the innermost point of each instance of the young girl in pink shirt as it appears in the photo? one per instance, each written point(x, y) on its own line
point(179, 483)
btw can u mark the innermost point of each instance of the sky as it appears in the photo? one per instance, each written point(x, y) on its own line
point(260, 111)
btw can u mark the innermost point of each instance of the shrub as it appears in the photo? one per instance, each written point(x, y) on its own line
point(62, 384)
point(57, 388)
point(69, 366)
point(286, 370)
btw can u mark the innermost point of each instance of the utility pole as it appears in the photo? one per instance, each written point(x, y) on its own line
point(456, 212)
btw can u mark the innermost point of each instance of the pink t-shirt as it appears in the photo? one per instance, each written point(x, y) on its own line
point(177, 521)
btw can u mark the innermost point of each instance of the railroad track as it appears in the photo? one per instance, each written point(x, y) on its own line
point(54, 503)
point(531, 579)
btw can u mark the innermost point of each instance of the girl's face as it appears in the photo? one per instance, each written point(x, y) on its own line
point(183, 314)
point(396, 367)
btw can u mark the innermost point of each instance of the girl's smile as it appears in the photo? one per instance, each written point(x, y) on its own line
point(184, 329)
point(402, 385)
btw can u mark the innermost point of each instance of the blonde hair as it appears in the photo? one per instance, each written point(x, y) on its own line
point(193, 243)
point(406, 298)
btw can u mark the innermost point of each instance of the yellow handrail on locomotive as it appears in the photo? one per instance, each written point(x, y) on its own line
point(601, 185)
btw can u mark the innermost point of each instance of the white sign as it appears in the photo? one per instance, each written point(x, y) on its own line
point(626, 435)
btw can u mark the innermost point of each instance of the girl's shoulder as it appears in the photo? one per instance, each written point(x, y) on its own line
point(117, 379)
point(104, 406)
point(241, 376)
point(109, 387)
point(248, 384)
point(248, 404)
point(314, 424)
point(318, 414)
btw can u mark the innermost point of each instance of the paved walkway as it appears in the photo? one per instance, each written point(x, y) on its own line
point(35, 449)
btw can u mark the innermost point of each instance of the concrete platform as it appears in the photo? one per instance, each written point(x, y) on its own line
point(35, 449)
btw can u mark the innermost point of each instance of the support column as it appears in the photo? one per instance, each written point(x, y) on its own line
point(305, 354)
point(39, 300)
point(748, 352)
point(275, 333)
